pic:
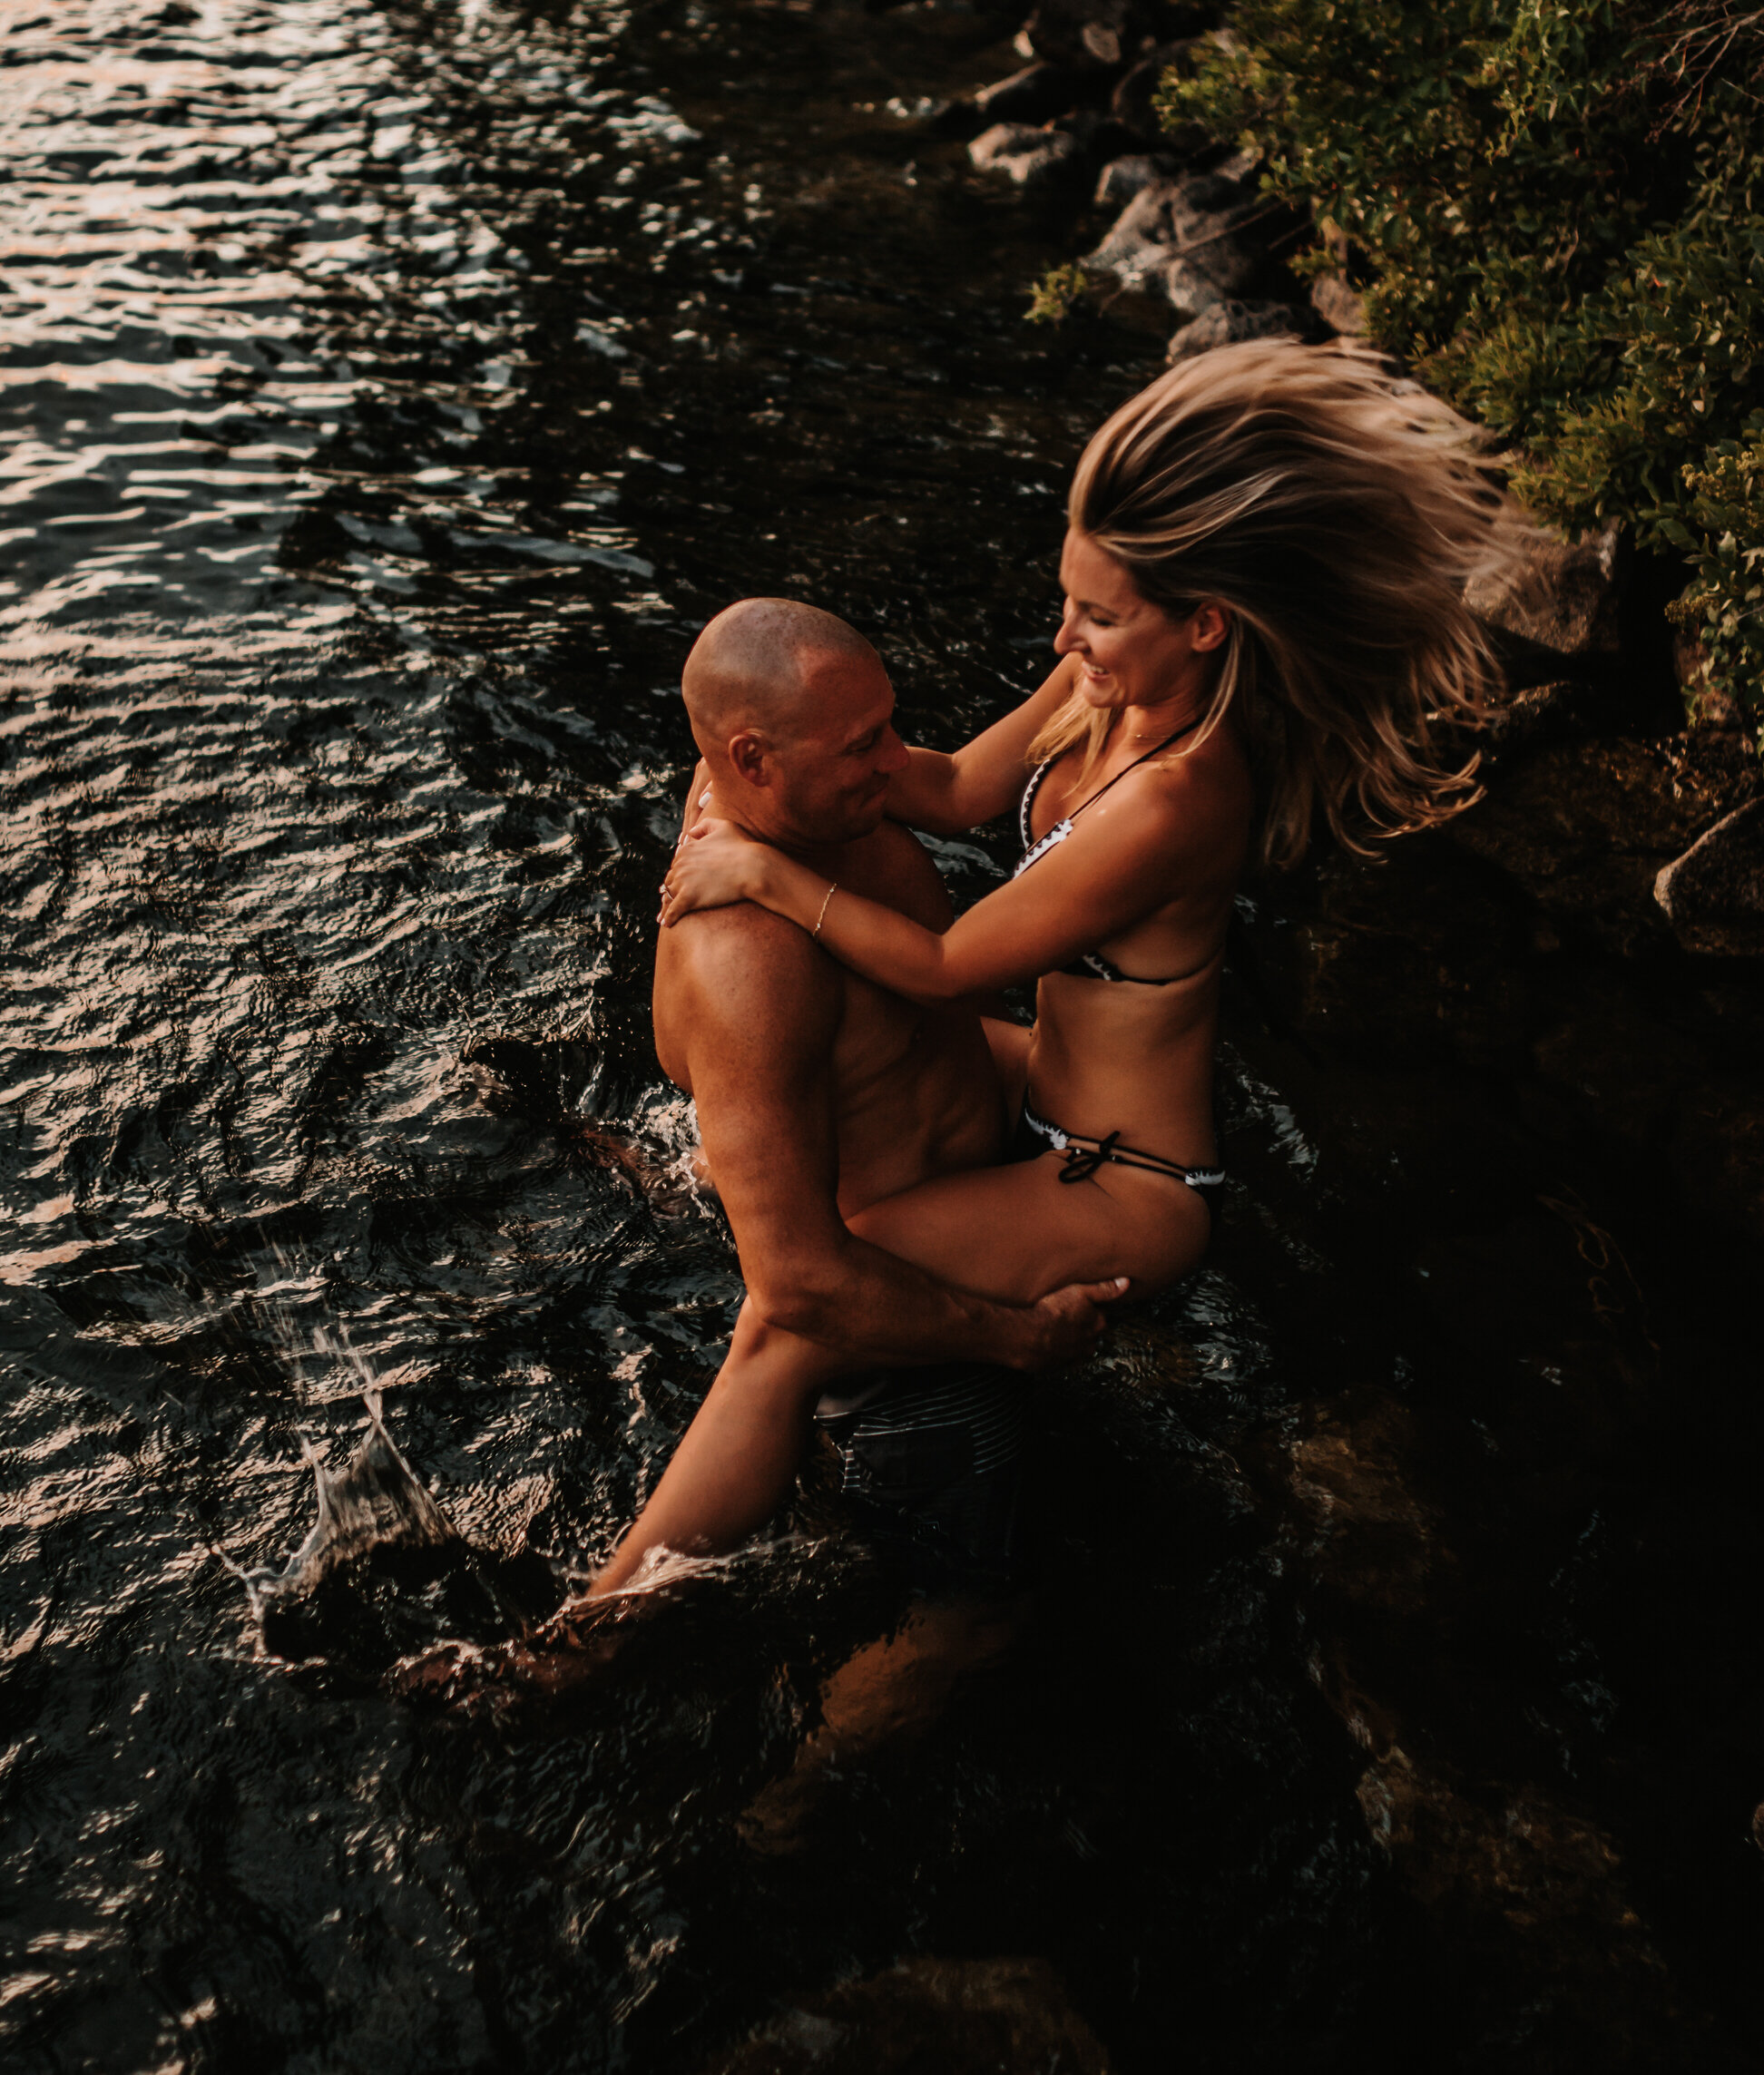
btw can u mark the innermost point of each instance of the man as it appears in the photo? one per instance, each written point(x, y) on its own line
point(818, 1093)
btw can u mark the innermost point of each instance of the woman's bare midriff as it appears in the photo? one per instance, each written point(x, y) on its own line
point(1114, 1056)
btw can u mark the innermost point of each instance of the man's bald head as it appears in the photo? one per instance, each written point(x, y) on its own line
point(793, 714)
point(757, 664)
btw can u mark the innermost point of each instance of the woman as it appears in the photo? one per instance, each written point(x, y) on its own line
point(1263, 628)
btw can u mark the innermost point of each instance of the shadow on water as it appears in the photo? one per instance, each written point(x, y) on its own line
point(391, 391)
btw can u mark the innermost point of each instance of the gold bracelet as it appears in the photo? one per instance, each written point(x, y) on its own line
point(821, 917)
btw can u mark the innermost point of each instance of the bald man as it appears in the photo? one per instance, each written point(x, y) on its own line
point(817, 1092)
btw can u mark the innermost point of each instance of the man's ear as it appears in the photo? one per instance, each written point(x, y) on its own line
point(1211, 624)
point(748, 752)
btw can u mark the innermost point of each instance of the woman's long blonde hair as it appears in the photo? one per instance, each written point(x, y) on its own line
point(1336, 512)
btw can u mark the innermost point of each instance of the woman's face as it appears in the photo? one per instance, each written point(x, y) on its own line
point(1130, 651)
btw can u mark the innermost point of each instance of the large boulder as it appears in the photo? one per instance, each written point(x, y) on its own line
point(1565, 597)
point(1585, 826)
point(1713, 896)
point(960, 2017)
point(1203, 219)
point(1230, 323)
point(1187, 291)
point(1029, 156)
point(1409, 959)
point(1085, 34)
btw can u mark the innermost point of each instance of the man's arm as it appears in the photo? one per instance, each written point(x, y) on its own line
point(758, 1030)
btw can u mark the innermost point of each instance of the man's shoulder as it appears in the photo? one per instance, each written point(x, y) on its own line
point(728, 944)
point(897, 870)
point(739, 977)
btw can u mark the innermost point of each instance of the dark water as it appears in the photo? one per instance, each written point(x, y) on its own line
point(390, 392)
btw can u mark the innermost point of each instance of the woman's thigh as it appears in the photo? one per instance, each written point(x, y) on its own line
point(1014, 1233)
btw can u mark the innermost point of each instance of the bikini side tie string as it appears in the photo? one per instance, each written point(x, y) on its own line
point(1080, 1166)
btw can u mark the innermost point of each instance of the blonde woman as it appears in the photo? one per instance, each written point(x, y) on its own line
point(1263, 630)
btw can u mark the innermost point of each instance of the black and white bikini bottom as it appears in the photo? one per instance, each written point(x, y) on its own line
point(1036, 1136)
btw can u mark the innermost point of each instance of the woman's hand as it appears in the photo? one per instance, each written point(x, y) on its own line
point(716, 863)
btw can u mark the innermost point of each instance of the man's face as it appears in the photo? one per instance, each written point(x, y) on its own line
point(830, 777)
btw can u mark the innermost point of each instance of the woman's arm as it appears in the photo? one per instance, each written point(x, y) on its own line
point(1126, 860)
point(946, 794)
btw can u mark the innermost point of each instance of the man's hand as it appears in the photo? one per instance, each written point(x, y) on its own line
point(1064, 1325)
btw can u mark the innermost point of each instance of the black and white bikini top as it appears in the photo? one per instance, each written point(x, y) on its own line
point(1089, 965)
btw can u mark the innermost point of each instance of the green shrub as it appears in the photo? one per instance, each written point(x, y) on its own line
point(1559, 204)
point(1056, 295)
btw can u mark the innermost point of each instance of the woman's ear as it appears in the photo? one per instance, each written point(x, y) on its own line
point(1211, 624)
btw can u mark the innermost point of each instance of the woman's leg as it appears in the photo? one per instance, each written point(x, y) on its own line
point(1010, 1233)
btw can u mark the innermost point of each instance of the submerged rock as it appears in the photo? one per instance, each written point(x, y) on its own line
point(1713, 896)
point(1025, 155)
point(540, 1082)
point(1565, 597)
point(959, 2017)
point(1537, 1894)
point(384, 1571)
point(1372, 1543)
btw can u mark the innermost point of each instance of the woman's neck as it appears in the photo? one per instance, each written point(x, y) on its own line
point(1142, 725)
